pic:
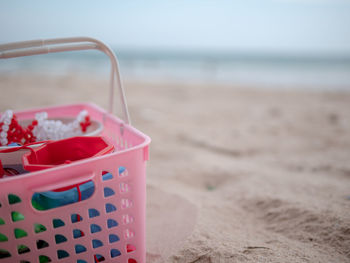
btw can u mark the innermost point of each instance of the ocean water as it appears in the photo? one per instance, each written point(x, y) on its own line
point(261, 70)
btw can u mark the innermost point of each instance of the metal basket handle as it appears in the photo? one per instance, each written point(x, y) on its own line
point(56, 45)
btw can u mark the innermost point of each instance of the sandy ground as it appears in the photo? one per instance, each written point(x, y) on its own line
point(236, 174)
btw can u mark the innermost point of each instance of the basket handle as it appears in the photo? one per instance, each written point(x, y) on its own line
point(55, 45)
point(62, 181)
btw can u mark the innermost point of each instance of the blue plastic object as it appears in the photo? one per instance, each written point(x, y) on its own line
point(51, 199)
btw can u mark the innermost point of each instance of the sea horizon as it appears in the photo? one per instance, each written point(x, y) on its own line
point(320, 70)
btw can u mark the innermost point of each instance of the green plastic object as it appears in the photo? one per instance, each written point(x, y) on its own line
point(44, 259)
point(13, 199)
point(22, 249)
point(3, 238)
point(17, 216)
point(20, 233)
point(38, 228)
point(37, 205)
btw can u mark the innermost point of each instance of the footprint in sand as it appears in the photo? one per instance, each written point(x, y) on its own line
point(170, 220)
point(299, 223)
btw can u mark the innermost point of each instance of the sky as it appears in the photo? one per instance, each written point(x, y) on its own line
point(287, 26)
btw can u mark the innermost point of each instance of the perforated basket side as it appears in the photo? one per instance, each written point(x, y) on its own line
point(112, 220)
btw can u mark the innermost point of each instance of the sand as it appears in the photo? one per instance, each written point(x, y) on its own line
point(237, 174)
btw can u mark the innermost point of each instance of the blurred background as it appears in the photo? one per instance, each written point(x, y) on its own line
point(283, 43)
point(246, 102)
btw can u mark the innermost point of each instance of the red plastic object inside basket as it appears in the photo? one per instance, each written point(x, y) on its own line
point(65, 151)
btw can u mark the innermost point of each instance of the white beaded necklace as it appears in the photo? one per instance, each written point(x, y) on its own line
point(6, 120)
point(56, 129)
point(43, 129)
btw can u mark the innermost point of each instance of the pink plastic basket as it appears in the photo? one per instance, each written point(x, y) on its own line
point(112, 220)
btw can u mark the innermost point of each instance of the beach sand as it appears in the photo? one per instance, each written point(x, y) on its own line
point(236, 174)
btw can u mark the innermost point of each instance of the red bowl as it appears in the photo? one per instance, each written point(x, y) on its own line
point(65, 151)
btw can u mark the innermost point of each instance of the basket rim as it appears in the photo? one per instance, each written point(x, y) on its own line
point(144, 144)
